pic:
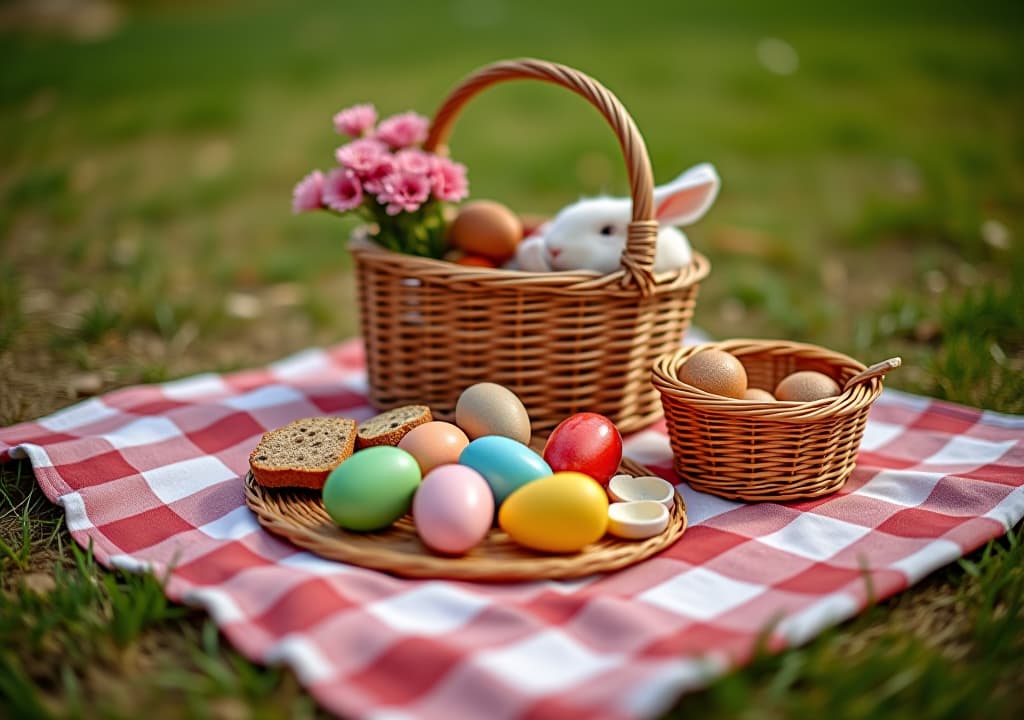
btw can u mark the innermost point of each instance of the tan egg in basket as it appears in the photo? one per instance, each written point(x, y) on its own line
point(768, 451)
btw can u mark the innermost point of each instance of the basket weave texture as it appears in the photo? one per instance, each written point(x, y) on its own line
point(773, 451)
point(298, 516)
point(564, 342)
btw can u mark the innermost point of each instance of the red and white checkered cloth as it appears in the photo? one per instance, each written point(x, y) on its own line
point(152, 476)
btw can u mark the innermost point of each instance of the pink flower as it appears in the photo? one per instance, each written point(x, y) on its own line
point(355, 121)
point(342, 190)
point(373, 179)
point(369, 159)
point(361, 156)
point(402, 131)
point(412, 160)
point(448, 179)
point(403, 191)
point(308, 192)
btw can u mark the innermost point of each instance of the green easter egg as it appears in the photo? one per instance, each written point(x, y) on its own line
point(371, 489)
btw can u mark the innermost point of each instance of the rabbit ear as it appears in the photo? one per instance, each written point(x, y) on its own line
point(688, 197)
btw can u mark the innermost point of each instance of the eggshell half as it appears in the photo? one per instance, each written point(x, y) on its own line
point(637, 520)
point(627, 488)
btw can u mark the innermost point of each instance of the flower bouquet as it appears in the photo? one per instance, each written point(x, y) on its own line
point(385, 176)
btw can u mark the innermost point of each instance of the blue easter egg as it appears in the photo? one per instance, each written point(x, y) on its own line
point(505, 464)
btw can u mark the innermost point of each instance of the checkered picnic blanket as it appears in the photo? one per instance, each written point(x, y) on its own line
point(152, 476)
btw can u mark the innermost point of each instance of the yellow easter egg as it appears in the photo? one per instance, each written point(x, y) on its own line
point(561, 513)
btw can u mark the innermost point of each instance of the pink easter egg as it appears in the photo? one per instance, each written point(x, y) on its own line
point(453, 509)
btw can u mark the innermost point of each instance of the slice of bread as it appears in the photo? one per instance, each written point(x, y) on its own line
point(390, 427)
point(302, 453)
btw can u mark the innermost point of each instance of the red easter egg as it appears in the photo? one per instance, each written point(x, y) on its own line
point(585, 442)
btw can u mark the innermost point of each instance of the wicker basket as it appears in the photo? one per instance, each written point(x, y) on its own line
point(768, 451)
point(563, 341)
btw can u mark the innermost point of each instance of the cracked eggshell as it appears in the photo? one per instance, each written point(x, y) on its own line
point(637, 520)
point(627, 488)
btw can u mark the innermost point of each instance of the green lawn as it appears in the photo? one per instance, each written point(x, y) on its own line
point(872, 202)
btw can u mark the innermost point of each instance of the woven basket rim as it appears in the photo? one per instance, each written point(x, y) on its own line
point(433, 270)
point(665, 378)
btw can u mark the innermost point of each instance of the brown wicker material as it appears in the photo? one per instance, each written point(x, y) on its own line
point(563, 341)
point(767, 451)
point(299, 516)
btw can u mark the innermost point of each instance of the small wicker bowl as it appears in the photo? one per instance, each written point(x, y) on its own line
point(768, 451)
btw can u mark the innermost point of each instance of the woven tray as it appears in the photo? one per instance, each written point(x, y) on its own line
point(299, 516)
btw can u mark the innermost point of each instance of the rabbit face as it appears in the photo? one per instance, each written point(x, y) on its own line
point(591, 234)
point(588, 235)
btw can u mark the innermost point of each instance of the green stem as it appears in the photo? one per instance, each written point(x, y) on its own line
point(417, 233)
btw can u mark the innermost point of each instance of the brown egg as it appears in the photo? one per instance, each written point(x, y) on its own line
point(488, 228)
point(475, 261)
point(492, 409)
point(715, 371)
point(758, 395)
point(806, 386)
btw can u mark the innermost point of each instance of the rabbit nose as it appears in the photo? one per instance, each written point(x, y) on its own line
point(554, 252)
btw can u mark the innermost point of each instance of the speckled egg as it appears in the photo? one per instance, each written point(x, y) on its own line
point(806, 386)
point(758, 395)
point(491, 409)
point(716, 372)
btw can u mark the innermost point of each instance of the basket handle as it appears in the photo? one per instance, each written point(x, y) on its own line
point(877, 370)
point(638, 257)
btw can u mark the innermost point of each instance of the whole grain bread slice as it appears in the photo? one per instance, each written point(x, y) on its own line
point(302, 453)
point(390, 426)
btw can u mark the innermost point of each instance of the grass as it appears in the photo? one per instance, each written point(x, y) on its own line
point(871, 204)
point(83, 642)
point(872, 668)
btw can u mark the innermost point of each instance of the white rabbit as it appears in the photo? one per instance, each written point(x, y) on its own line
point(591, 234)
